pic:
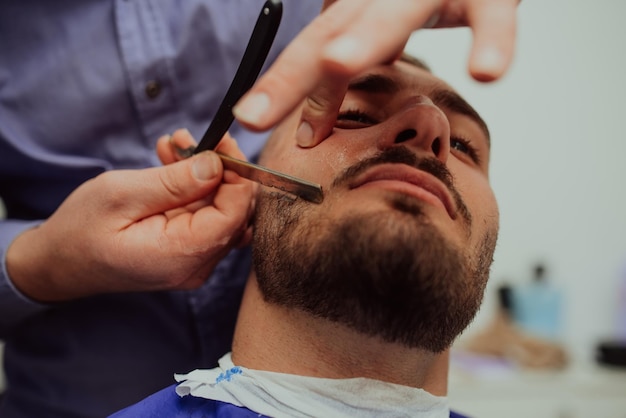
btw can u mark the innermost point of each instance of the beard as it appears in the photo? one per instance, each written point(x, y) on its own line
point(389, 274)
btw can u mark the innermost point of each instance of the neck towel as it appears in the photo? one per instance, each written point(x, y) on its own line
point(285, 395)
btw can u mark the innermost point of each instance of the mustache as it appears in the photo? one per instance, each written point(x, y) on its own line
point(402, 155)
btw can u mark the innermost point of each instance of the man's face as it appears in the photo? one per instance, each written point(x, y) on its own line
point(402, 244)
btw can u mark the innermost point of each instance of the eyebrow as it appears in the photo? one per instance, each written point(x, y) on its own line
point(375, 83)
point(379, 83)
point(455, 103)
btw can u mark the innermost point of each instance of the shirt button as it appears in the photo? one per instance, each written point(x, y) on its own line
point(153, 89)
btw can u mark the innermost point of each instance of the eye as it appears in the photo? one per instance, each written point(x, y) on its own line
point(355, 119)
point(464, 146)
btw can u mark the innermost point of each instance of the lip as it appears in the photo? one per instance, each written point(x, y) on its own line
point(410, 181)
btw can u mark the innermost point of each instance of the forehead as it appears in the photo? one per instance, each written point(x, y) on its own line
point(406, 76)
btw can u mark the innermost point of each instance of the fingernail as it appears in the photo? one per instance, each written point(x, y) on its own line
point(343, 50)
point(205, 165)
point(489, 59)
point(252, 109)
point(304, 135)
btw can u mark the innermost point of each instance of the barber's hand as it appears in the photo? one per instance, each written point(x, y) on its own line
point(136, 230)
point(168, 150)
point(351, 36)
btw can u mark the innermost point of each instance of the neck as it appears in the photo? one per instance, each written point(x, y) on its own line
point(273, 338)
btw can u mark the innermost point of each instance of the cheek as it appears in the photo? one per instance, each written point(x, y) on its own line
point(341, 150)
point(320, 164)
point(314, 164)
point(479, 198)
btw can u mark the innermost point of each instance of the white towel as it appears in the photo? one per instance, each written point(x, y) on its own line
point(285, 395)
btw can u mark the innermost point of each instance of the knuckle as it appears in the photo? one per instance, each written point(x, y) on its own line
point(170, 183)
point(316, 104)
point(327, 97)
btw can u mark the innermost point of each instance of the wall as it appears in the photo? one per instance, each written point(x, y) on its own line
point(558, 153)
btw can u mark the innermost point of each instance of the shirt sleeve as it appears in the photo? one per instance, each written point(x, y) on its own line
point(14, 305)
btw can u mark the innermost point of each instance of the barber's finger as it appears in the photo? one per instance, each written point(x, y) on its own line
point(298, 69)
point(493, 23)
point(357, 49)
point(361, 46)
point(227, 218)
point(159, 189)
point(164, 150)
point(246, 238)
point(182, 139)
point(228, 145)
point(320, 110)
point(327, 3)
point(168, 145)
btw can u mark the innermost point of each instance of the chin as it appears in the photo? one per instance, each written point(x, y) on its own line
point(384, 273)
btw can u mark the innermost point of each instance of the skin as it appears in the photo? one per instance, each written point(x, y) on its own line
point(410, 108)
point(274, 338)
point(192, 211)
point(351, 36)
point(139, 230)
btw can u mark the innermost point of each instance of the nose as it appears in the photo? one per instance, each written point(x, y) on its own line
point(420, 124)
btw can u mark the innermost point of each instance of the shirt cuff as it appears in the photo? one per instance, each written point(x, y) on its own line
point(14, 305)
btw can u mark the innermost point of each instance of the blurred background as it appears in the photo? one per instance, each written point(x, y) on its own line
point(558, 149)
point(558, 171)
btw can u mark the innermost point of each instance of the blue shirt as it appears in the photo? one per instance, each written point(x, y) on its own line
point(88, 86)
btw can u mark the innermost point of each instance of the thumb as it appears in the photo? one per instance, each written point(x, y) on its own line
point(156, 190)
